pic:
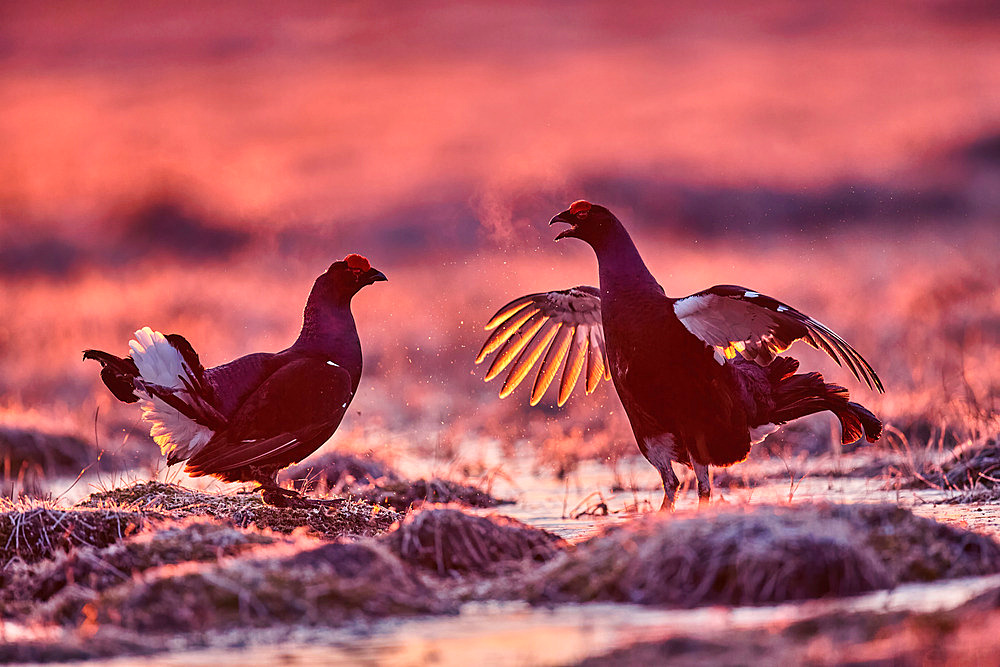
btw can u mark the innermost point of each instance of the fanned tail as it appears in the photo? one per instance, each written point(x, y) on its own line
point(870, 424)
point(800, 395)
point(164, 371)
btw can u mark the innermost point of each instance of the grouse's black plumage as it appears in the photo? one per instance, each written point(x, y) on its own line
point(249, 418)
point(698, 376)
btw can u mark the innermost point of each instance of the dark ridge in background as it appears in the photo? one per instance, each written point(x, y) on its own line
point(705, 210)
point(163, 227)
point(54, 257)
point(984, 150)
point(174, 227)
point(170, 226)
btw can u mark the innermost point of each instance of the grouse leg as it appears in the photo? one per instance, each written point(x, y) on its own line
point(660, 452)
point(704, 484)
point(670, 484)
point(272, 494)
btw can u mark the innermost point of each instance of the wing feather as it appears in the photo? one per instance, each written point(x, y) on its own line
point(509, 310)
point(596, 363)
point(574, 364)
point(515, 344)
point(564, 326)
point(528, 357)
point(550, 364)
point(501, 335)
point(302, 402)
point(736, 319)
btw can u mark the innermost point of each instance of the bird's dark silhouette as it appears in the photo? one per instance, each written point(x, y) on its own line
point(698, 376)
point(245, 420)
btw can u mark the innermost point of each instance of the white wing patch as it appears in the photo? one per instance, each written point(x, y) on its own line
point(737, 320)
point(159, 363)
point(703, 317)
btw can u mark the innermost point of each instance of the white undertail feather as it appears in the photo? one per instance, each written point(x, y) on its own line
point(176, 435)
point(157, 360)
point(161, 364)
point(758, 433)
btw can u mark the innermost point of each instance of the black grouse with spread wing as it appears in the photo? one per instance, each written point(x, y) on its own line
point(698, 376)
point(246, 420)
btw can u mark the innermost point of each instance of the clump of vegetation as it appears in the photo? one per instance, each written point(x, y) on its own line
point(196, 539)
point(974, 466)
point(375, 482)
point(450, 541)
point(331, 584)
point(335, 469)
point(31, 534)
point(914, 548)
point(401, 495)
point(761, 555)
point(87, 570)
point(349, 517)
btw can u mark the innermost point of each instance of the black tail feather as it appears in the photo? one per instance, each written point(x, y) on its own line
point(871, 424)
point(782, 368)
point(117, 373)
point(800, 395)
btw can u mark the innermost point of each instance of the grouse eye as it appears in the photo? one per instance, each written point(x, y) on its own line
point(580, 208)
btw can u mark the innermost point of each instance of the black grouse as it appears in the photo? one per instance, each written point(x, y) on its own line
point(245, 420)
point(698, 376)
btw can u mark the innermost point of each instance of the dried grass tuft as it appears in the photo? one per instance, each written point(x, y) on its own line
point(376, 482)
point(333, 469)
point(34, 533)
point(401, 495)
point(87, 570)
point(975, 466)
point(329, 585)
point(761, 555)
point(449, 541)
point(247, 509)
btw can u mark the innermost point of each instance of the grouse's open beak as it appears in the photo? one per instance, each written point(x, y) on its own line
point(569, 219)
point(374, 276)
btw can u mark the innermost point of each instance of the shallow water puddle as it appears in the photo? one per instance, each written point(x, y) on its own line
point(551, 504)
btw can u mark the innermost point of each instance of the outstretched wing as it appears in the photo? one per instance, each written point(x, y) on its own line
point(303, 401)
point(556, 327)
point(736, 319)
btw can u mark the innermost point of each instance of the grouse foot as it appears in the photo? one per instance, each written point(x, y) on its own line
point(287, 498)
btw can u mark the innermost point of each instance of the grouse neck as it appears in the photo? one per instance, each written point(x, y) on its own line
point(330, 329)
point(620, 265)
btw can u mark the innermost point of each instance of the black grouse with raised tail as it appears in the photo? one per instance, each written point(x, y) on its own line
point(245, 420)
point(698, 376)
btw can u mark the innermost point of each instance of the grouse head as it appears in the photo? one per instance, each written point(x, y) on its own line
point(589, 222)
point(345, 278)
